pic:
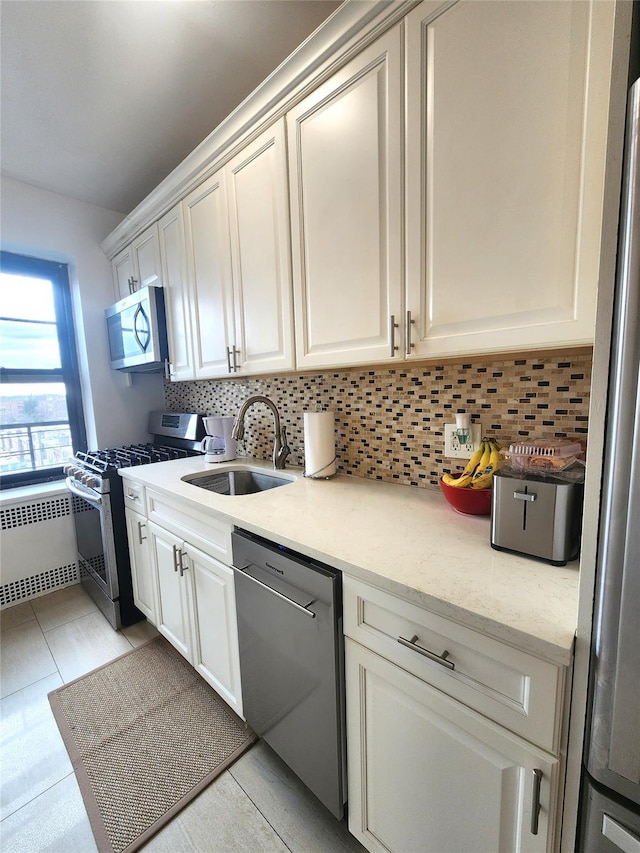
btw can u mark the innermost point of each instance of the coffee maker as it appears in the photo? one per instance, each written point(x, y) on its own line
point(218, 445)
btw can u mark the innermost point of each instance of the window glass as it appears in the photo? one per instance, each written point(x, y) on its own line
point(25, 298)
point(35, 426)
point(30, 346)
point(41, 420)
point(28, 330)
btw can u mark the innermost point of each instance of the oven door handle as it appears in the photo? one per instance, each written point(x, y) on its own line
point(275, 592)
point(85, 493)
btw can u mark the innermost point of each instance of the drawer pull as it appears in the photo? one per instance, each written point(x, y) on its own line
point(535, 800)
point(141, 526)
point(441, 659)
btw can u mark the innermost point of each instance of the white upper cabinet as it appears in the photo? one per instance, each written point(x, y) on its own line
point(208, 250)
point(506, 131)
point(345, 176)
point(122, 269)
point(234, 306)
point(138, 265)
point(259, 222)
point(176, 293)
point(441, 194)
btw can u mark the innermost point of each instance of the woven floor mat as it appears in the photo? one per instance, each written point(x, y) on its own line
point(145, 735)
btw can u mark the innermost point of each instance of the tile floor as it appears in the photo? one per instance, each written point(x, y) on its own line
point(256, 805)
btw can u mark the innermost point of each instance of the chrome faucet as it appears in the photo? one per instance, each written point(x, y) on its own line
point(280, 446)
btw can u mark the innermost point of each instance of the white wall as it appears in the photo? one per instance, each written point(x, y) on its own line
point(54, 227)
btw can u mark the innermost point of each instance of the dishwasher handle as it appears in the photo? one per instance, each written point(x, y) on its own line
point(286, 598)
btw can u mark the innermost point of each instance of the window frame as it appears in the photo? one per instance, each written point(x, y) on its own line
point(68, 373)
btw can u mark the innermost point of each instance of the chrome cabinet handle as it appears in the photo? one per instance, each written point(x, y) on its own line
point(535, 801)
point(275, 592)
point(409, 345)
point(182, 567)
point(441, 659)
point(229, 365)
point(167, 369)
point(524, 496)
point(175, 558)
point(392, 335)
point(141, 538)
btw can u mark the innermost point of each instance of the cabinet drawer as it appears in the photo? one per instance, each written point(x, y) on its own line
point(134, 496)
point(517, 690)
point(206, 532)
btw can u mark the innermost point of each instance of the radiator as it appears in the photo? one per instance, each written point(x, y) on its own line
point(37, 547)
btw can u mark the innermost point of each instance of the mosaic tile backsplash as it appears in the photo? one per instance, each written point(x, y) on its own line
point(390, 420)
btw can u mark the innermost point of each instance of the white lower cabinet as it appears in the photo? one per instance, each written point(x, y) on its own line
point(183, 585)
point(428, 774)
point(174, 590)
point(454, 739)
point(215, 650)
point(197, 610)
point(142, 574)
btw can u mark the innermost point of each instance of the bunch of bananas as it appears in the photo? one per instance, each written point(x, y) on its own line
point(479, 470)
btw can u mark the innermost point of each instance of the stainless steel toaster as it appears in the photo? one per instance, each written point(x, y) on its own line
point(540, 516)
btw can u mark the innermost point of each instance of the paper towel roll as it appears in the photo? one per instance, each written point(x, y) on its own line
point(319, 444)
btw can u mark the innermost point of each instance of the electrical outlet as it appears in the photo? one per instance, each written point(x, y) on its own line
point(455, 447)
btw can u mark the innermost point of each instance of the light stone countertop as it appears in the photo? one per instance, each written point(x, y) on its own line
point(405, 540)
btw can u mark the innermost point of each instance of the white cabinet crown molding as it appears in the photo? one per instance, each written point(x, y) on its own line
point(351, 27)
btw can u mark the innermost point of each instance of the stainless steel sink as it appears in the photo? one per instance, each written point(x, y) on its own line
point(236, 481)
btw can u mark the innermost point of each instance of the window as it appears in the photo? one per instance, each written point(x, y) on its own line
point(41, 419)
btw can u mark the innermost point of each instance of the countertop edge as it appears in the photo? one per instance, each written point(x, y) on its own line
point(560, 654)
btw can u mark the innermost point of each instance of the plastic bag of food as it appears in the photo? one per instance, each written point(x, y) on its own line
point(544, 455)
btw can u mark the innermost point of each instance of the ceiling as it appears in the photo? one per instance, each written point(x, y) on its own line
point(102, 99)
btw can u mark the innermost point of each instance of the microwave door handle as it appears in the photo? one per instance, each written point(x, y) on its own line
point(144, 331)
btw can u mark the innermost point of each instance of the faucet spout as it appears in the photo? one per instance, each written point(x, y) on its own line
point(280, 446)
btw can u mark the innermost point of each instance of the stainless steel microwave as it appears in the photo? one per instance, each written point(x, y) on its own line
point(137, 330)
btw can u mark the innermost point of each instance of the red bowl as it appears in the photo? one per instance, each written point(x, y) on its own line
point(468, 501)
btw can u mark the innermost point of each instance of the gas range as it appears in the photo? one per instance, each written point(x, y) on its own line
point(175, 436)
point(97, 468)
point(99, 513)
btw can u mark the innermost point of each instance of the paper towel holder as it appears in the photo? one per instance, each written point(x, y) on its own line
point(318, 475)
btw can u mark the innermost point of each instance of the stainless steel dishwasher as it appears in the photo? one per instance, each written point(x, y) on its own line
point(292, 660)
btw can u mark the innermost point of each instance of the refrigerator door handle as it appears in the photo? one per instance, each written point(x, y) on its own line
point(619, 836)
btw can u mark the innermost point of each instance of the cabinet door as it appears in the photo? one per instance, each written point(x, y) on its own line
point(176, 294)
point(505, 171)
point(123, 273)
point(259, 221)
point(345, 172)
point(142, 573)
point(173, 590)
point(215, 626)
point(427, 773)
point(208, 248)
point(146, 258)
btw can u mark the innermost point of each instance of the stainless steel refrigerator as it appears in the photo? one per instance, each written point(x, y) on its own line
point(610, 793)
